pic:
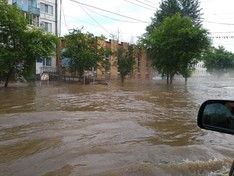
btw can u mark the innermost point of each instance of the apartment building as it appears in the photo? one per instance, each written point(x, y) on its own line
point(30, 8)
point(49, 22)
point(44, 14)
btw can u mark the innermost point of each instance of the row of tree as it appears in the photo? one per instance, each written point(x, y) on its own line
point(175, 41)
point(85, 51)
point(218, 60)
point(22, 44)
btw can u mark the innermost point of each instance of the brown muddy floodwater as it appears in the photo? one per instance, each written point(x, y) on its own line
point(139, 129)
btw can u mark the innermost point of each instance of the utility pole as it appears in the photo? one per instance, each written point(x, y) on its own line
point(118, 33)
point(58, 4)
point(56, 17)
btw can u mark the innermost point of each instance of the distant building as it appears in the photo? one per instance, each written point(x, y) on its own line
point(142, 67)
point(200, 70)
point(44, 14)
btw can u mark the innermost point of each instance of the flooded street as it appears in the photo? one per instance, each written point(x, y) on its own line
point(139, 129)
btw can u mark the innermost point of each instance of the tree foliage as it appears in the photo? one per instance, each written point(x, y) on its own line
point(125, 61)
point(84, 51)
point(175, 46)
point(218, 59)
point(168, 8)
point(20, 44)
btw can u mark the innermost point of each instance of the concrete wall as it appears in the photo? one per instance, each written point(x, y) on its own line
point(142, 68)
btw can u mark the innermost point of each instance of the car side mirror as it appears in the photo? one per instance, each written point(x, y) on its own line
point(217, 115)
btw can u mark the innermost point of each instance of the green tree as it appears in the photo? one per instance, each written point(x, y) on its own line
point(191, 9)
point(175, 46)
point(125, 61)
point(20, 44)
point(84, 51)
point(218, 60)
point(168, 8)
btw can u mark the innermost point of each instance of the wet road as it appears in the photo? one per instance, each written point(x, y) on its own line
point(138, 129)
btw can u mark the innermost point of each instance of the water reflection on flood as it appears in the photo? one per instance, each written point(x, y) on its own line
point(139, 129)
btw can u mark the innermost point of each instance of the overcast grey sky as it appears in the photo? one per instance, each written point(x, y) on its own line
point(218, 17)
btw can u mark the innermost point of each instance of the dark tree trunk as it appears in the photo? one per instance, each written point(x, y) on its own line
point(8, 77)
point(171, 78)
point(80, 74)
point(122, 80)
point(167, 78)
point(186, 80)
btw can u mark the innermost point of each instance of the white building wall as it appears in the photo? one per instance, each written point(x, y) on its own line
point(50, 19)
point(47, 17)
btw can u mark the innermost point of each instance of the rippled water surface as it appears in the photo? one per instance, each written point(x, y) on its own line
point(139, 129)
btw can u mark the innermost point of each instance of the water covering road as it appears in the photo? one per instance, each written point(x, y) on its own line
point(138, 129)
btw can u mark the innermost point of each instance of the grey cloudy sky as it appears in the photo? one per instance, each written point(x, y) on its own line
point(218, 18)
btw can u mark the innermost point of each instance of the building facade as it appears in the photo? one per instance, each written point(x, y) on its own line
point(142, 68)
point(49, 22)
point(44, 14)
point(30, 8)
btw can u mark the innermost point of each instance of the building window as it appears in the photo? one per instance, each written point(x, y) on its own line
point(45, 8)
point(39, 60)
point(32, 19)
point(47, 62)
point(47, 26)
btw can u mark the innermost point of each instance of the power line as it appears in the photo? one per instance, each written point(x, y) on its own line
point(222, 37)
point(82, 21)
point(86, 22)
point(228, 32)
point(230, 44)
point(115, 19)
point(150, 2)
point(144, 3)
point(101, 25)
point(64, 18)
point(223, 17)
point(83, 4)
point(151, 9)
point(95, 21)
point(219, 23)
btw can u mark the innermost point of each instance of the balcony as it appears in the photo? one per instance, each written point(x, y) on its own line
point(27, 6)
point(48, 69)
point(34, 10)
point(19, 4)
